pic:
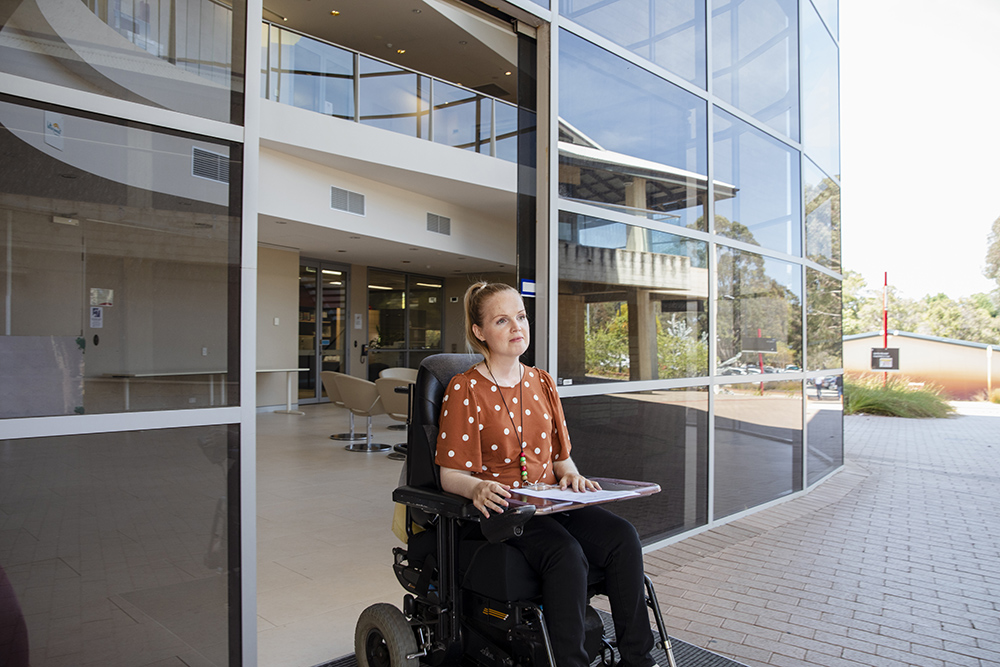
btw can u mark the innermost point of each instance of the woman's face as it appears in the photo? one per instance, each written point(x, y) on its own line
point(505, 325)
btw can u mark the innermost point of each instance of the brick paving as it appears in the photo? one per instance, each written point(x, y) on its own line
point(893, 561)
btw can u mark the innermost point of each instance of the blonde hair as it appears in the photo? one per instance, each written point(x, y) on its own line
point(477, 295)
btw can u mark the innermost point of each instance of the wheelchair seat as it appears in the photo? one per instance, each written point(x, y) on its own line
point(471, 598)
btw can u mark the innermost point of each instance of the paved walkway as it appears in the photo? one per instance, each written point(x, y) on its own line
point(895, 560)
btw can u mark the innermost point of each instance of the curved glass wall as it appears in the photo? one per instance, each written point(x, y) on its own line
point(764, 176)
point(657, 168)
point(755, 60)
point(820, 93)
point(758, 444)
point(667, 436)
point(670, 33)
point(825, 427)
point(632, 302)
point(822, 200)
point(758, 314)
point(116, 256)
point(182, 55)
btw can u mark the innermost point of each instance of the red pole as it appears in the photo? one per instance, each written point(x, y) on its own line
point(885, 324)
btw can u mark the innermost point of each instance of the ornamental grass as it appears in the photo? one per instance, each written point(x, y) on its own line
point(897, 398)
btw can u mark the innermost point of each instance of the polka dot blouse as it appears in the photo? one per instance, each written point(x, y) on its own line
point(479, 435)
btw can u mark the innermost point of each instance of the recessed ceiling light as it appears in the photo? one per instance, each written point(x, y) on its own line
point(463, 42)
point(400, 51)
point(334, 12)
point(507, 73)
point(416, 11)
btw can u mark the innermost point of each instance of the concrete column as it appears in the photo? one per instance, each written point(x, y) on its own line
point(642, 336)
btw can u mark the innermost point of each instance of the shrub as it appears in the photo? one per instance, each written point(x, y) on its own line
point(867, 395)
point(994, 396)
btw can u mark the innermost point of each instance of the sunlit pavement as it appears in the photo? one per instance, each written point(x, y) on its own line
point(891, 561)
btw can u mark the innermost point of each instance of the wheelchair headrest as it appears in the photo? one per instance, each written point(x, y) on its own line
point(428, 394)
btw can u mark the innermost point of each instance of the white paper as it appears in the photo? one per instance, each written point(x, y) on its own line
point(584, 497)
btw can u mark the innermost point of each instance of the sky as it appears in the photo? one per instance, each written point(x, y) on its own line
point(920, 142)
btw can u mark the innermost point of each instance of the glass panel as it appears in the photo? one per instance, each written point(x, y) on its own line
point(760, 204)
point(118, 548)
point(830, 12)
point(656, 168)
point(825, 427)
point(393, 98)
point(173, 54)
point(755, 56)
point(506, 131)
point(759, 310)
point(823, 321)
point(820, 94)
point(822, 195)
point(313, 75)
point(379, 360)
point(116, 249)
point(333, 344)
point(425, 315)
point(670, 33)
point(308, 298)
point(457, 112)
point(484, 129)
point(655, 436)
point(758, 444)
point(386, 319)
point(631, 302)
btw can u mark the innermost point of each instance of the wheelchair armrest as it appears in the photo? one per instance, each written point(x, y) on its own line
point(448, 505)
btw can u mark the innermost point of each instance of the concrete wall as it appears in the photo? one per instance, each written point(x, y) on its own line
point(960, 370)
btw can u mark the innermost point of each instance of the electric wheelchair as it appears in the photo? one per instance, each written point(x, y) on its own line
point(471, 599)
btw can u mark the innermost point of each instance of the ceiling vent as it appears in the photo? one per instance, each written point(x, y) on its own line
point(206, 164)
point(438, 224)
point(345, 200)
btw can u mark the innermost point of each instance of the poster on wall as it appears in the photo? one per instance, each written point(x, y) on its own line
point(885, 358)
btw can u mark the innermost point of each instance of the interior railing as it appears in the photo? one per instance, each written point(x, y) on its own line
point(312, 74)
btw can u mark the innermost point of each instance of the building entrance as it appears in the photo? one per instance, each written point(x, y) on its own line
point(323, 290)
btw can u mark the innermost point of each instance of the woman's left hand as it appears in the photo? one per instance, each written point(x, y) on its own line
point(577, 482)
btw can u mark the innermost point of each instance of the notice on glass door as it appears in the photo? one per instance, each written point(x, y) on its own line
point(96, 317)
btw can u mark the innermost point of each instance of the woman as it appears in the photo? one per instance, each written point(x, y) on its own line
point(502, 427)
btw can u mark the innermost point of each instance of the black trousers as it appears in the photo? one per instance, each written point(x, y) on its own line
point(561, 547)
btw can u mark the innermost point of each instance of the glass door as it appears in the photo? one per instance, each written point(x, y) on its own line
point(322, 325)
point(405, 319)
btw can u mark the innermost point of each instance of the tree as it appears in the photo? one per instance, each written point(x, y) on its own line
point(992, 269)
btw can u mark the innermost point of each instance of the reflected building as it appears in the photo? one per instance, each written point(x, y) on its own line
point(205, 205)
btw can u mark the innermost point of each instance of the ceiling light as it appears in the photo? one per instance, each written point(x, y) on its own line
point(507, 73)
point(60, 220)
point(332, 273)
point(416, 11)
point(379, 287)
point(334, 12)
point(428, 285)
point(271, 11)
point(462, 43)
point(400, 51)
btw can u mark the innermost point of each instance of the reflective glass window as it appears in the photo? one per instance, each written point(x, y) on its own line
point(638, 147)
point(405, 319)
point(822, 199)
point(117, 251)
point(655, 436)
point(824, 333)
point(310, 74)
point(462, 118)
point(172, 54)
point(632, 302)
point(122, 549)
point(755, 56)
point(757, 191)
point(820, 93)
point(506, 131)
point(758, 444)
point(670, 33)
point(759, 314)
point(830, 11)
point(394, 98)
point(824, 426)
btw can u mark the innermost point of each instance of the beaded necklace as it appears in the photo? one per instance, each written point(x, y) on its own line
point(519, 431)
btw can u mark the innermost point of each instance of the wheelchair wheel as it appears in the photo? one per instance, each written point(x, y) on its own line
point(383, 638)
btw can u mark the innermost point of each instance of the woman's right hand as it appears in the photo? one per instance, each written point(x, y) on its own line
point(490, 496)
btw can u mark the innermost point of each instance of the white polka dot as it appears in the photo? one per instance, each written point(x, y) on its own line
point(493, 388)
point(531, 374)
point(546, 415)
point(497, 408)
point(516, 484)
point(485, 468)
point(544, 435)
point(524, 444)
point(496, 474)
point(564, 422)
point(457, 387)
point(451, 452)
point(479, 408)
point(511, 414)
point(506, 460)
point(472, 420)
point(518, 429)
point(527, 412)
point(445, 413)
point(536, 397)
point(468, 464)
point(446, 396)
point(465, 402)
point(557, 457)
point(465, 437)
point(443, 435)
point(506, 431)
point(493, 447)
point(480, 427)
point(473, 382)
point(526, 384)
point(515, 400)
point(538, 450)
